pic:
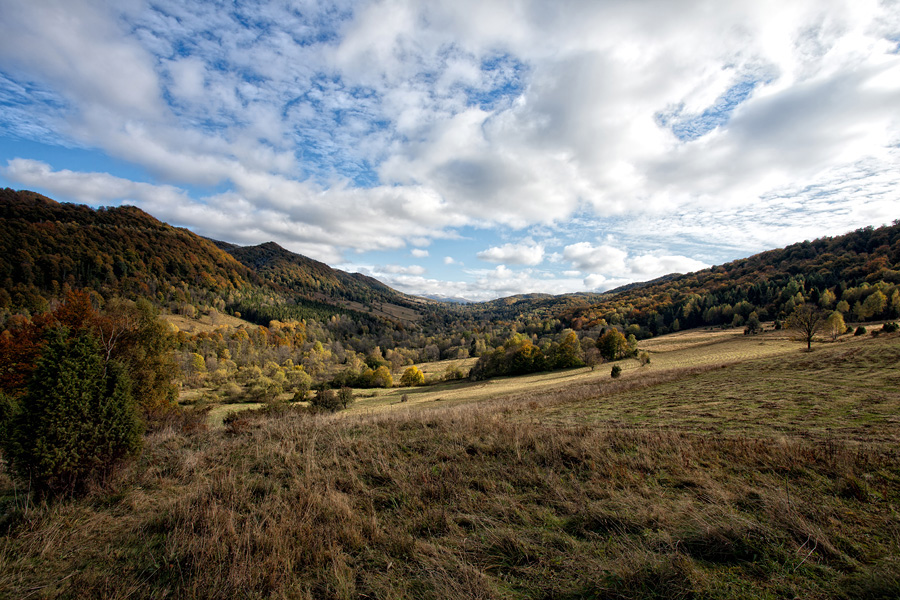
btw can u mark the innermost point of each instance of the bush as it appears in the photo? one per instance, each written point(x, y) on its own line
point(345, 397)
point(860, 331)
point(616, 371)
point(890, 327)
point(412, 376)
point(644, 357)
point(77, 420)
point(326, 400)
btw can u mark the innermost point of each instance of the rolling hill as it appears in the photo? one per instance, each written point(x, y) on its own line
point(48, 246)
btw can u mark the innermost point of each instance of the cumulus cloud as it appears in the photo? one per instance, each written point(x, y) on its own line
point(611, 266)
point(484, 284)
point(525, 253)
point(691, 133)
point(402, 270)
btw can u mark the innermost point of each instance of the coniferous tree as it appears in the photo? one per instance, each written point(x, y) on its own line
point(77, 420)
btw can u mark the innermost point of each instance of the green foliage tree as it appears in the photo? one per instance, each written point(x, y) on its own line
point(301, 383)
point(412, 376)
point(567, 353)
point(613, 345)
point(873, 305)
point(78, 419)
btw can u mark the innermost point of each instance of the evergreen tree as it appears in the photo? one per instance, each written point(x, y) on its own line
point(77, 420)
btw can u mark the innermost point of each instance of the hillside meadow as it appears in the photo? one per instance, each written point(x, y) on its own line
point(730, 466)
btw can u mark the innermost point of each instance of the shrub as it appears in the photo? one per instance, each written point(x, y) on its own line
point(616, 371)
point(644, 357)
point(412, 376)
point(326, 400)
point(860, 331)
point(890, 327)
point(77, 420)
point(345, 397)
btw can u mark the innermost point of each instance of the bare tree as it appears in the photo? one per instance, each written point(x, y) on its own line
point(806, 320)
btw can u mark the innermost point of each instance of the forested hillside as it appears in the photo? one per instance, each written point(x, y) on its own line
point(319, 288)
point(857, 274)
point(46, 246)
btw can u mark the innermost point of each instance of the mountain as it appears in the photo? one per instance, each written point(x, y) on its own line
point(313, 280)
point(825, 271)
point(46, 245)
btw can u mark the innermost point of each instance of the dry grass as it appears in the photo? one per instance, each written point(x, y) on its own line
point(695, 349)
point(513, 497)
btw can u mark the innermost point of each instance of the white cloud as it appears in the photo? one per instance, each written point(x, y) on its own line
point(402, 270)
point(525, 253)
point(610, 266)
point(586, 257)
point(350, 127)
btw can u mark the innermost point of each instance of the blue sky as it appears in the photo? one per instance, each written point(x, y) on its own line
point(467, 148)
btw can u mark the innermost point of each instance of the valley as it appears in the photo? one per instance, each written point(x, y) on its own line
point(288, 430)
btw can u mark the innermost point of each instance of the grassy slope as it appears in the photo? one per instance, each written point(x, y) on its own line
point(598, 489)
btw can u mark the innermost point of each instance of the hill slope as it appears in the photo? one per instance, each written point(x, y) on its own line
point(45, 245)
point(316, 281)
point(826, 271)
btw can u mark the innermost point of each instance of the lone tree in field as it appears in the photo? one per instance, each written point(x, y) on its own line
point(835, 325)
point(806, 320)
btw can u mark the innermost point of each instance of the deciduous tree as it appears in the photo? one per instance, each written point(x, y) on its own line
point(806, 321)
point(835, 325)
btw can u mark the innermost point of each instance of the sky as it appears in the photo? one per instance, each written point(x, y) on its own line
point(465, 148)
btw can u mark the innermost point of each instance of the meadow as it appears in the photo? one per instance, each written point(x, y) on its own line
point(730, 466)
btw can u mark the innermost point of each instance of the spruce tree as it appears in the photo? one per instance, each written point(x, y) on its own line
point(77, 421)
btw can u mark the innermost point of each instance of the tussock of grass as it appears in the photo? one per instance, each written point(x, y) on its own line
point(491, 500)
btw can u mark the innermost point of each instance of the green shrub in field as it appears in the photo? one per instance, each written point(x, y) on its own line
point(616, 371)
point(326, 399)
point(860, 331)
point(77, 420)
point(345, 397)
point(889, 327)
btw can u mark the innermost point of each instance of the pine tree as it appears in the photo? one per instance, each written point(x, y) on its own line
point(77, 420)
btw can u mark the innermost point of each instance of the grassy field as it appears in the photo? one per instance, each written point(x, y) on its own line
point(670, 355)
point(730, 467)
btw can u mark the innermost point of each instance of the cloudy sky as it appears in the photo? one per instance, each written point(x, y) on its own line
point(470, 148)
